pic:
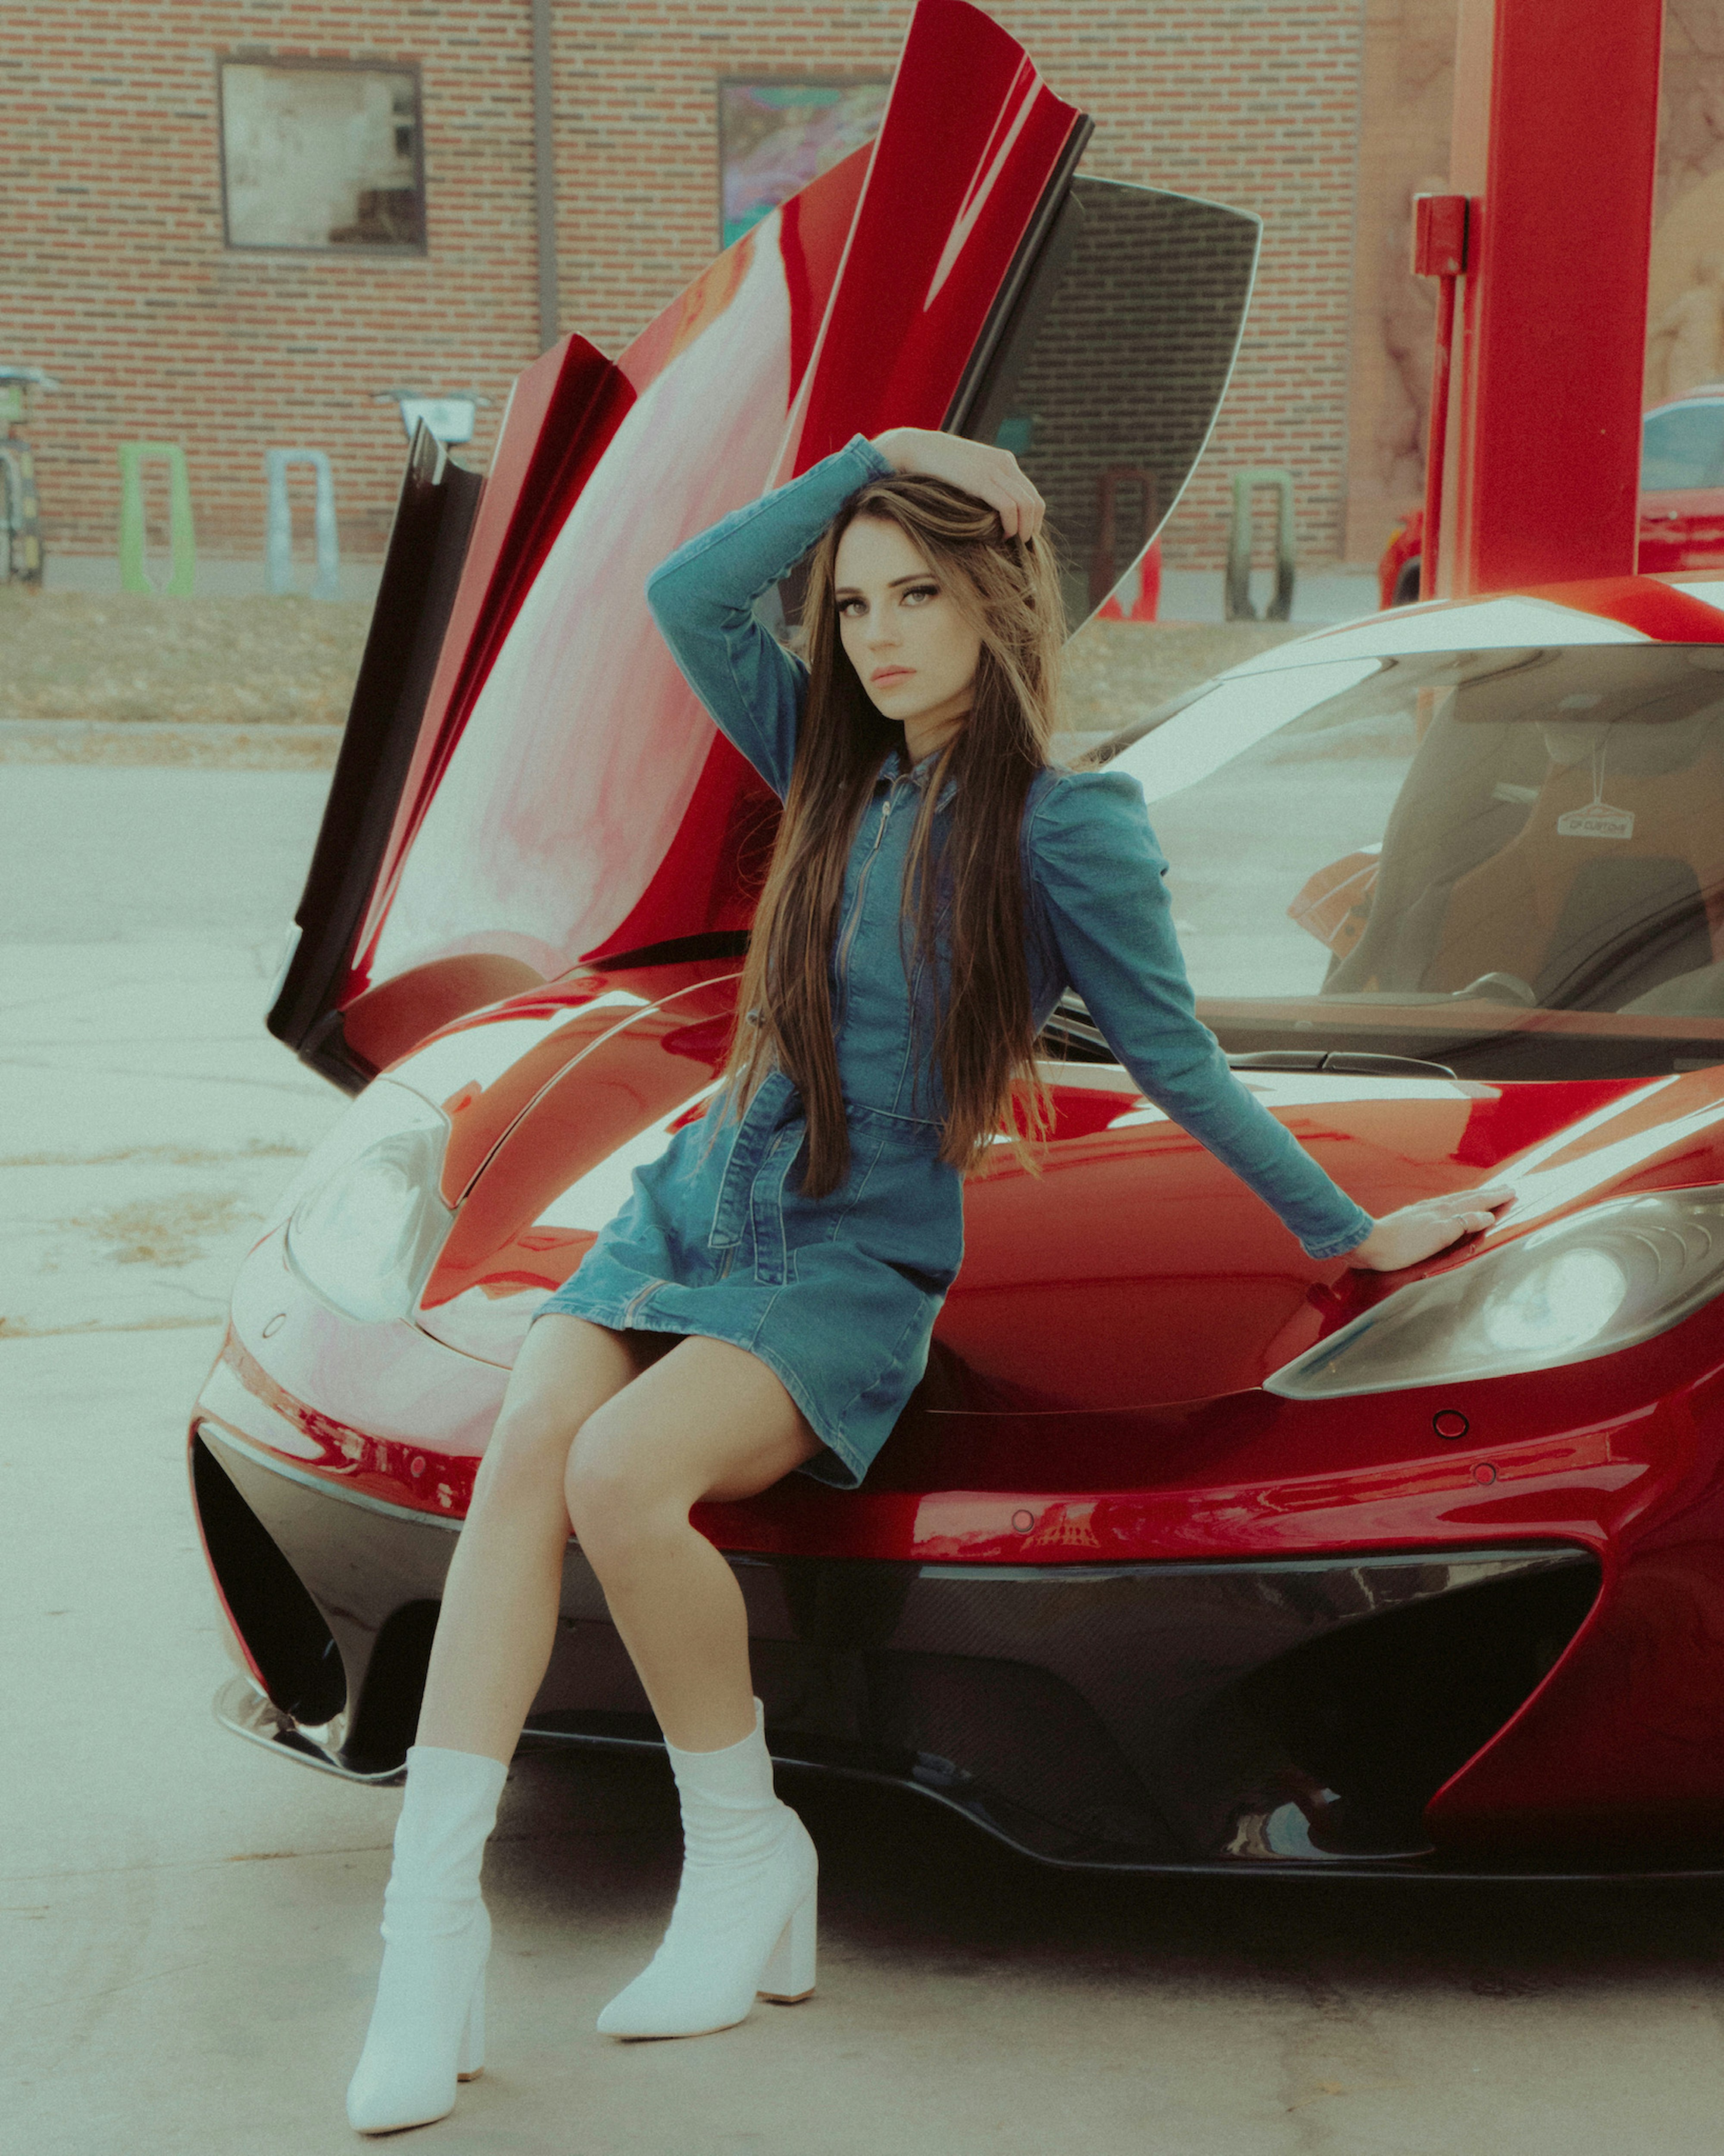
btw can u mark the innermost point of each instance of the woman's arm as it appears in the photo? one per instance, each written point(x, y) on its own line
point(703, 596)
point(1098, 880)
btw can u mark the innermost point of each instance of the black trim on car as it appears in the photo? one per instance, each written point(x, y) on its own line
point(422, 569)
point(1266, 1715)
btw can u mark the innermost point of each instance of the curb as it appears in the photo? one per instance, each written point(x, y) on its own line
point(237, 747)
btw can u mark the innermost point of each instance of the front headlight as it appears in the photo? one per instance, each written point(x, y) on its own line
point(366, 1231)
point(1577, 1289)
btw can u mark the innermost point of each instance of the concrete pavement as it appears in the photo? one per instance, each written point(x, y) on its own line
point(187, 1923)
point(147, 1117)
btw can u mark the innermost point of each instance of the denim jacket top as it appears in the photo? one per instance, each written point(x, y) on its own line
point(1097, 906)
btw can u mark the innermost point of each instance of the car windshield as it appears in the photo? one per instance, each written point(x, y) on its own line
point(1508, 861)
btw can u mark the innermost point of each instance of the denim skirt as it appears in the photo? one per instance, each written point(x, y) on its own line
point(837, 1295)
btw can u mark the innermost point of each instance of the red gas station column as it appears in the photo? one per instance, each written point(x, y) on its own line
point(1556, 128)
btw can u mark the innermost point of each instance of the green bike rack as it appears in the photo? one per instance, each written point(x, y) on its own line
point(181, 551)
point(1239, 607)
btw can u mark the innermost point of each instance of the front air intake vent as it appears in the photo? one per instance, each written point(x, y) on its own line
point(1381, 1713)
point(282, 1627)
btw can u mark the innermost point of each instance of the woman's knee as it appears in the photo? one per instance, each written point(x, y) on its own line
point(617, 1504)
point(527, 1450)
point(566, 1370)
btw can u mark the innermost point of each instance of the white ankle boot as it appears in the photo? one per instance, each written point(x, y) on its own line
point(744, 1920)
point(428, 2027)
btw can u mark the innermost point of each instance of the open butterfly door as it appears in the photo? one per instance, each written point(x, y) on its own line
point(526, 782)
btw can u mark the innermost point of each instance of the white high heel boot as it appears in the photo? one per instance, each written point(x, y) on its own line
point(428, 2027)
point(744, 1921)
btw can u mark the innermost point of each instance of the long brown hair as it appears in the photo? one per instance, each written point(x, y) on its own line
point(983, 1039)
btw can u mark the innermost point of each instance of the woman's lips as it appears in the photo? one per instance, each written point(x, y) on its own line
point(881, 674)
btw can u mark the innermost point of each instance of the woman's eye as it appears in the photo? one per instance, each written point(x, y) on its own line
point(921, 592)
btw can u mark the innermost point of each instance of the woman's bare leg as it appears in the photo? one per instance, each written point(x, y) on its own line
point(498, 1622)
point(710, 1420)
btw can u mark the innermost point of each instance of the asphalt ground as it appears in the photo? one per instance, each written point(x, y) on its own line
point(187, 1923)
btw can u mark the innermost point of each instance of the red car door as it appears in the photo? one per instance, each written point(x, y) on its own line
point(526, 782)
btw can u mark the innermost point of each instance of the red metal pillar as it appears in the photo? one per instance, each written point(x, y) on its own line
point(1555, 127)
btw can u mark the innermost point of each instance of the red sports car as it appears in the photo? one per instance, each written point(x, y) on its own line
point(1681, 499)
point(1190, 1551)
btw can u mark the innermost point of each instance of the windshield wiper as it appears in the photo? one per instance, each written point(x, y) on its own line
point(1341, 1062)
point(1071, 1018)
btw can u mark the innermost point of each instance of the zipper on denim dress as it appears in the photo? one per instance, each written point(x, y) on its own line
point(634, 1303)
point(851, 926)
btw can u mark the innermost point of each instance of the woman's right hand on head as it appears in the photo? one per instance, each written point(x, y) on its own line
point(993, 476)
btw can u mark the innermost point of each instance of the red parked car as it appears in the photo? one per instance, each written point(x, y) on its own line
point(1681, 498)
point(1190, 1551)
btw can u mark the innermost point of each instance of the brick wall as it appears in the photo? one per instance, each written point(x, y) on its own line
point(1253, 103)
point(119, 282)
point(1407, 108)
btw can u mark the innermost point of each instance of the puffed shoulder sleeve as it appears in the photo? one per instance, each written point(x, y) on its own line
point(703, 596)
point(1099, 881)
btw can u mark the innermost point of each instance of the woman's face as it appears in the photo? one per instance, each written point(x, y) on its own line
point(913, 651)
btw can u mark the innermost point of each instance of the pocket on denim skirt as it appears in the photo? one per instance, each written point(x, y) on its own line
point(812, 1223)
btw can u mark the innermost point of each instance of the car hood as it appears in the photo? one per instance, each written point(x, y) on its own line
point(1131, 1270)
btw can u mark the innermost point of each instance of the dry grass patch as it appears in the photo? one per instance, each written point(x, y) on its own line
point(166, 1231)
point(292, 661)
point(175, 1156)
point(73, 655)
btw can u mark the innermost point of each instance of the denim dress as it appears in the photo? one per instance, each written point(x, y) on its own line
point(838, 1295)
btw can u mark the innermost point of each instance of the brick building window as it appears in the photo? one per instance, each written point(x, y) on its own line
point(774, 137)
point(322, 154)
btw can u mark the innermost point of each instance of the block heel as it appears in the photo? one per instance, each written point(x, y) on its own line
point(469, 2060)
point(789, 1975)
